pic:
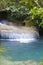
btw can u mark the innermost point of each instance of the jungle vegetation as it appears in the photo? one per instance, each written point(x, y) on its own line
point(29, 12)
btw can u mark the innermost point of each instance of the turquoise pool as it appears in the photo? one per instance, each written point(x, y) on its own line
point(17, 51)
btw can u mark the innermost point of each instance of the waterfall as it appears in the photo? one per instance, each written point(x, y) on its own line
point(20, 37)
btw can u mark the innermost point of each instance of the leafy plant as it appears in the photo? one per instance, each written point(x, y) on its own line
point(23, 9)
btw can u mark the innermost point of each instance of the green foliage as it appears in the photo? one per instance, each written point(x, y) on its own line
point(23, 9)
point(19, 13)
point(37, 16)
point(28, 23)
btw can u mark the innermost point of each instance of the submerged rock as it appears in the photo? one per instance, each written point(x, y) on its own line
point(8, 62)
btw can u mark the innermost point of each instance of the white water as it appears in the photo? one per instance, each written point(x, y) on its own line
point(20, 37)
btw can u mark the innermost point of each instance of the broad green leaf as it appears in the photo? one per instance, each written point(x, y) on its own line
point(24, 0)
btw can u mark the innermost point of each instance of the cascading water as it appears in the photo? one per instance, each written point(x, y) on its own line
point(21, 37)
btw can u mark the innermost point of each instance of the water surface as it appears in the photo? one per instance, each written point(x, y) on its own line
point(16, 51)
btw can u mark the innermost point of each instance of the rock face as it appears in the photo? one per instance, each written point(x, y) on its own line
point(41, 32)
point(18, 29)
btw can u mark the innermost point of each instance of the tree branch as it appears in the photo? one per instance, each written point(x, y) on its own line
point(36, 3)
